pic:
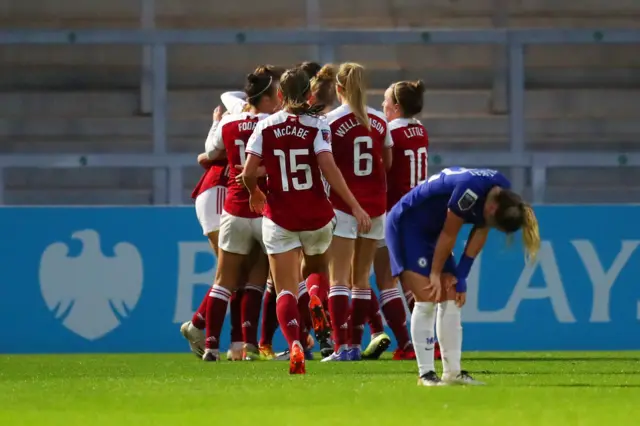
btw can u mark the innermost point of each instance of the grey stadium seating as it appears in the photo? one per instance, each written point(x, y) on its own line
point(84, 99)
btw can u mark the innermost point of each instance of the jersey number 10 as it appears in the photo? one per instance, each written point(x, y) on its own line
point(418, 171)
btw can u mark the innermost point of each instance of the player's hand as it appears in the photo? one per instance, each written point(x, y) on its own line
point(461, 299)
point(203, 160)
point(363, 219)
point(257, 200)
point(435, 287)
point(262, 171)
point(217, 113)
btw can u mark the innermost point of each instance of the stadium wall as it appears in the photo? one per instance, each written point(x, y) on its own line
point(114, 279)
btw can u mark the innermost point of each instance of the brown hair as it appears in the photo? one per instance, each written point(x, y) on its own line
point(261, 82)
point(351, 78)
point(323, 85)
point(295, 88)
point(310, 68)
point(514, 214)
point(409, 95)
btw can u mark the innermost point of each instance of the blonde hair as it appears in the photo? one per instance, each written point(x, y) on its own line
point(530, 234)
point(351, 78)
point(323, 85)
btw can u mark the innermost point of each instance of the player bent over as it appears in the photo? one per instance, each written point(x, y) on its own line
point(421, 232)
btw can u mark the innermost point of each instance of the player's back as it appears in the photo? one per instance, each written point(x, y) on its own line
point(296, 199)
point(235, 131)
point(458, 189)
point(358, 153)
point(409, 167)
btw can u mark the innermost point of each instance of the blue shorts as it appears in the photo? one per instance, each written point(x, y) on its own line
point(411, 250)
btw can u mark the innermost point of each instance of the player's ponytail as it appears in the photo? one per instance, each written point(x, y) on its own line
point(513, 214)
point(295, 89)
point(530, 233)
point(354, 91)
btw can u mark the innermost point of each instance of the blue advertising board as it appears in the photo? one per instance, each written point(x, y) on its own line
point(122, 279)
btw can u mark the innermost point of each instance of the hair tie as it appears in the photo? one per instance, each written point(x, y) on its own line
point(263, 90)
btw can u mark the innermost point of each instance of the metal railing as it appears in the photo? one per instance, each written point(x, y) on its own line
point(168, 167)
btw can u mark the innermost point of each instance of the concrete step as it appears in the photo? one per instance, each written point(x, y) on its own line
point(594, 178)
point(290, 13)
point(450, 126)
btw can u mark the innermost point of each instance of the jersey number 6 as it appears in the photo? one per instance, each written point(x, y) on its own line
point(359, 156)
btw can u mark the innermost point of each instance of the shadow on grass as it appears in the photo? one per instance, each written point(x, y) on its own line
point(551, 359)
point(555, 373)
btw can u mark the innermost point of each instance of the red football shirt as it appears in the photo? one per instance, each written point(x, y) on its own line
point(217, 174)
point(409, 167)
point(232, 135)
point(358, 155)
point(288, 145)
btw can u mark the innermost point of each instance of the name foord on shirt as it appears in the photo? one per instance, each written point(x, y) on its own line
point(352, 122)
point(246, 126)
point(300, 132)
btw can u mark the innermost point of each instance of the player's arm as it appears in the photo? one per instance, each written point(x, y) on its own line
point(251, 168)
point(233, 101)
point(475, 243)
point(251, 172)
point(446, 241)
point(387, 152)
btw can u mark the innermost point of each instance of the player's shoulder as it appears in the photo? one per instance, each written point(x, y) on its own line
point(269, 120)
point(400, 123)
point(378, 114)
point(338, 113)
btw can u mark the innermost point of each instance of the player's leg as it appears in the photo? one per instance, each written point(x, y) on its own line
point(305, 314)
point(317, 284)
point(252, 302)
point(340, 259)
point(234, 246)
point(208, 208)
point(269, 322)
point(423, 321)
point(392, 305)
point(283, 249)
point(365, 249)
point(449, 329)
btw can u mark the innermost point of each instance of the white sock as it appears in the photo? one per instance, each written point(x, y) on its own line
point(423, 336)
point(449, 329)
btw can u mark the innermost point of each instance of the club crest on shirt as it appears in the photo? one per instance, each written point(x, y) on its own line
point(326, 135)
point(422, 262)
point(467, 200)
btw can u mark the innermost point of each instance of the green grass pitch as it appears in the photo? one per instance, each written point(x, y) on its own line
point(573, 388)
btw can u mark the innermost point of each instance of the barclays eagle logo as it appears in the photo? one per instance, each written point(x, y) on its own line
point(91, 293)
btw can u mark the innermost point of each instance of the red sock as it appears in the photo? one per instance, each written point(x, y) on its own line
point(411, 302)
point(339, 313)
point(251, 302)
point(269, 323)
point(199, 317)
point(360, 303)
point(396, 316)
point(305, 314)
point(235, 306)
point(216, 311)
point(375, 318)
point(288, 316)
point(318, 285)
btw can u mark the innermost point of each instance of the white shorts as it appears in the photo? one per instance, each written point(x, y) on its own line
point(279, 240)
point(382, 243)
point(347, 227)
point(209, 206)
point(239, 234)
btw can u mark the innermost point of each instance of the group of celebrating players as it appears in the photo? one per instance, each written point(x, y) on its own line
point(307, 198)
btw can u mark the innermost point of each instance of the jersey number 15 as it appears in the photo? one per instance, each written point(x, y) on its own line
point(294, 167)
